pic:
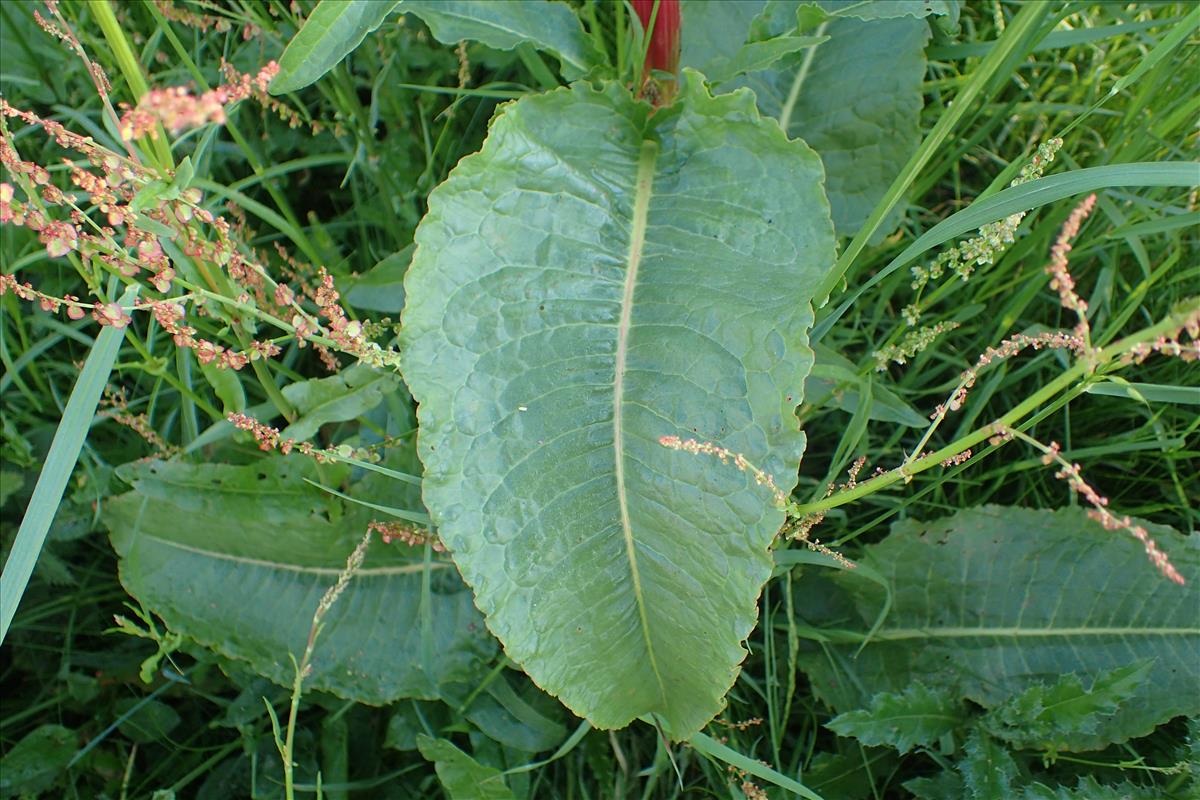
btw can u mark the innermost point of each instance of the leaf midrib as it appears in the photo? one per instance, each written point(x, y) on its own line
point(365, 572)
point(643, 189)
point(1017, 632)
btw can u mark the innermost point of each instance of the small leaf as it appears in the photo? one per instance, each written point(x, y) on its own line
point(988, 769)
point(834, 381)
point(381, 288)
point(332, 31)
point(916, 717)
point(552, 27)
point(183, 177)
point(228, 387)
point(345, 396)
point(1046, 715)
point(755, 56)
point(463, 777)
point(33, 764)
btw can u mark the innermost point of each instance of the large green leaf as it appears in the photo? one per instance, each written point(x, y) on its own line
point(549, 26)
point(856, 99)
point(330, 33)
point(995, 601)
point(595, 279)
point(237, 558)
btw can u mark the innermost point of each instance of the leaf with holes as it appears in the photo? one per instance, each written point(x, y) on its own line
point(237, 557)
point(594, 279)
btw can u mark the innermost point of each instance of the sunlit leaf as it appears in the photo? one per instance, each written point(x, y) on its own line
point(575, 297)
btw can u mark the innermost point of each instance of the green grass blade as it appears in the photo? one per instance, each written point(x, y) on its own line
point(60, 462)
point(1026, 197)
point(1172, 40)
point(399, 513)
point(714, 749)
point(1057, 40)
point(1147, 392)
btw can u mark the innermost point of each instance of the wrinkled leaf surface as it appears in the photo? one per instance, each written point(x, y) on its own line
point(594, 279)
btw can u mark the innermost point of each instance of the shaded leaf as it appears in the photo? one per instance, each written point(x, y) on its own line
point(995, 600)
point(410, 719)
point(330, 33)
point(382, 287)
point(574, 297)
point(237, 557)
point(834, 381)
point(755, 56)
point(33, 764)
point(916, 717)
point(855, 99)
point(1046, 714)
point(32, 66)
point(851, 772)
point(524, 719)
point(463, 777)
point(946, 785)
point(345, 396)
point(549, 26)
point(988, 769)
point(1088, 788)
point(144, 721)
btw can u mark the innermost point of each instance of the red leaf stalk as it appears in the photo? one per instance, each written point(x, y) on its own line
point(663, 53)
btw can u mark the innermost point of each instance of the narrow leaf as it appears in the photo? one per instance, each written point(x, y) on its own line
point(755, 56)
point(714, 749)
point(834, 381)
point(332, 31)
point(1026, 197)
point(988, 769)
point(59, 464)
point(916, 717)
point(890, 9)
point(573, 299)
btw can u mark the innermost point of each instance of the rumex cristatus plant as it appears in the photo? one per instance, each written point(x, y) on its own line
point(629, 266)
